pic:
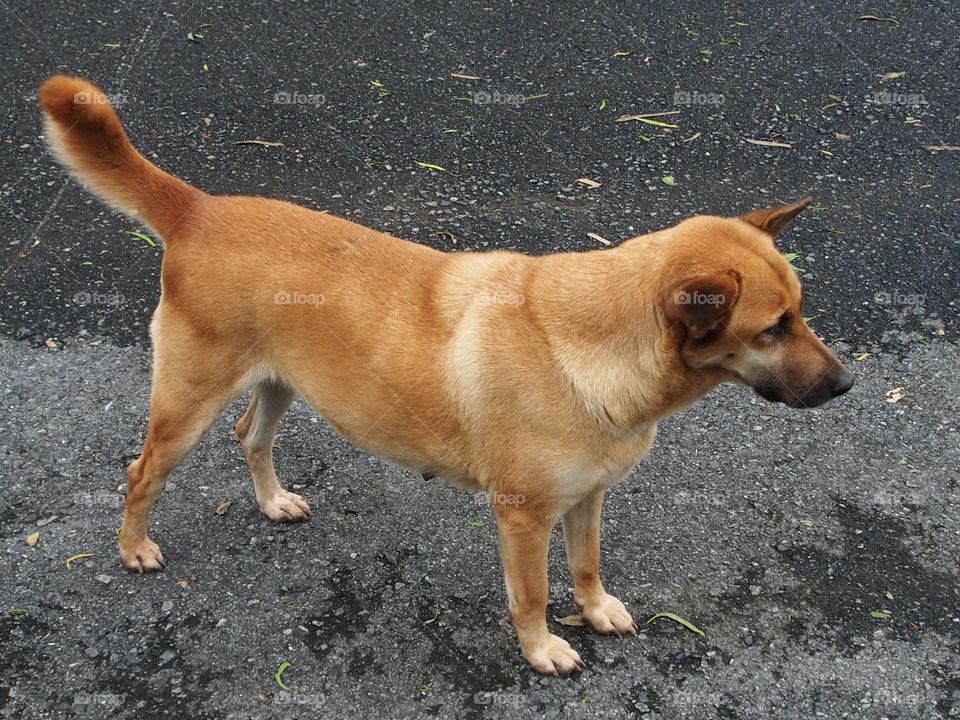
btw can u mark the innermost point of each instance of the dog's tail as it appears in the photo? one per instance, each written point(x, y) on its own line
point(85, 135)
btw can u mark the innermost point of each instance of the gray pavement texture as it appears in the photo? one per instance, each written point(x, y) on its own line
point(817, 550)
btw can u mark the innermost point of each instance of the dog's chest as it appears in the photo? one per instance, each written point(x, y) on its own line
point(604, 464)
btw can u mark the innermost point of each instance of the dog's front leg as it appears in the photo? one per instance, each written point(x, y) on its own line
point(524, 539)
point(581, 533)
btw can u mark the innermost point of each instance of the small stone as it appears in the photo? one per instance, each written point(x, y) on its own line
point(167, 606)
point(755, 590)
point(105, 579)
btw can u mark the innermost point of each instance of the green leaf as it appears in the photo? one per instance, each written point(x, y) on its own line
point(888, 595)
point(790, 257)
point(431, 166)
point(668, 180)
point(140, 236)
point(603, 104)
point(278, 675)
point(677, 619)
point(475, 523)
point(879, 615)
point(648, 121)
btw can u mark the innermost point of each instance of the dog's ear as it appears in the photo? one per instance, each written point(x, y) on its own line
point(701, 303)
point(773, 220)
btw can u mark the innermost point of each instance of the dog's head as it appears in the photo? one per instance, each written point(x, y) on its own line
point(735, 307)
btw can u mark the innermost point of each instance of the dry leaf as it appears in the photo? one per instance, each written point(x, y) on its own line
point(896, 395)
point(599, 238)
point(33, 539)
point(223, 507)
point(79, 556)
point(50, 343)
point(628, 118)
point(862, 356)
point(876, 18)
point(841, 136)
point(945, 148)
point(464, 77)
point(575, 620)
point(768, 143)
point(892, 76)
point(264, 143)
point(588, 182)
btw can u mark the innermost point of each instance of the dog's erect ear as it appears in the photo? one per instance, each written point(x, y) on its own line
point(773, 220)
point(701, 303)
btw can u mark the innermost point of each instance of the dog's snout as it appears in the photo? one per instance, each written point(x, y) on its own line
point(841, 383)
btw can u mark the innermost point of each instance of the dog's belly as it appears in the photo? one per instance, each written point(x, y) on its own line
point(399, 427)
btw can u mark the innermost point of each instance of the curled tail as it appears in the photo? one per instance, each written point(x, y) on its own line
point(85, 135)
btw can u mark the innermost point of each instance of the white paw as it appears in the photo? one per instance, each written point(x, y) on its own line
point(553, 656)
point(608, 616)
point(285, 507)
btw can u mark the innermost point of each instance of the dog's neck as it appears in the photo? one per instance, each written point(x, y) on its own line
point(602, 316)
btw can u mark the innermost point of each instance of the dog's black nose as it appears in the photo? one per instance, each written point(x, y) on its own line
point(841, 383)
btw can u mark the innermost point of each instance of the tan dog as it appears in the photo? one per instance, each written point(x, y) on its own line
point(539, 380)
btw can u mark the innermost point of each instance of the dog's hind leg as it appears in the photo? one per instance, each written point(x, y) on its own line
point(256, 429)
point(190, 389)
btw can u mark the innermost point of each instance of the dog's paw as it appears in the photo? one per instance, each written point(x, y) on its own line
point(285, 507)
point(553, 656)
point(142, 557)
point(608, 616)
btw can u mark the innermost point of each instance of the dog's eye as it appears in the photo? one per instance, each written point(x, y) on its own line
point(780, 328)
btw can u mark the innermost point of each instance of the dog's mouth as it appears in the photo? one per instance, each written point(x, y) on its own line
point(811, 397)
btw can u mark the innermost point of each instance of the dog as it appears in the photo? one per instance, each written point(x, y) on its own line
point(539, 380)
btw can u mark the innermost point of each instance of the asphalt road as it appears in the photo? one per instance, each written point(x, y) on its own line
point(817, 550)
